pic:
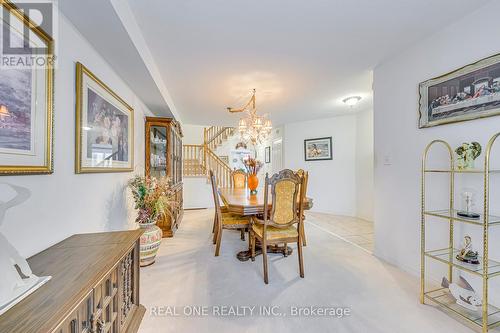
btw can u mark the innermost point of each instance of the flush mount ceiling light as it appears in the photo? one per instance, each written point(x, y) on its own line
point(351, 101)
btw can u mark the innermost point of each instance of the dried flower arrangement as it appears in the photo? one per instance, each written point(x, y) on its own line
point(252, 165)
point(153, 198)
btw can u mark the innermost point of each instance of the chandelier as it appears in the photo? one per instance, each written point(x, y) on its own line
point(253, 128)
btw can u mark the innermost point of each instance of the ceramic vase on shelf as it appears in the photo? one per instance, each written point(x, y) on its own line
point(253, 183)
point(149, 243)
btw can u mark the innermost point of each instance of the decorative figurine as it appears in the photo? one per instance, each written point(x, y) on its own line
point(18, 281)
point(463, 293)
point(467, 254)
point(467, 153)
point(469, 203)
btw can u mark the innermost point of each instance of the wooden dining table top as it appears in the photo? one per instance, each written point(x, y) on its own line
point(241, 201)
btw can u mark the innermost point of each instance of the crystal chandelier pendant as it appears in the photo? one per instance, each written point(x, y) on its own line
point(253, 128)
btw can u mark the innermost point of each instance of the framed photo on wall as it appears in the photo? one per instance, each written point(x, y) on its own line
point(318, 149)
point(467, 93)
point(26, 96)
point(104, 127)
point(268, 154)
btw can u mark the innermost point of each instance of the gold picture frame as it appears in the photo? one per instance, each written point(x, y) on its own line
point(37, 158)
point(103, 136)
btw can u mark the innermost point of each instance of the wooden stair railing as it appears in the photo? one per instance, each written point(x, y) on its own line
point(192, 161)
point(199, 159)
point(221, 169)
point(215, 135)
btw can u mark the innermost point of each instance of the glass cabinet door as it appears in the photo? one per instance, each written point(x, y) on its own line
point(158, 151)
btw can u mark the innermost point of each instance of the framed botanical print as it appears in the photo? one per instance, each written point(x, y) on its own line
point(104, 127)
point(26, 95)
point(318, 149)
point(268, 154)
point(467, 93)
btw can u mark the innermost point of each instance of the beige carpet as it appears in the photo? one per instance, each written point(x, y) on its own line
point(188, 279)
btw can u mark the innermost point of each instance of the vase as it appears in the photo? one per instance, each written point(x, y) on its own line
point(253, 183)
point(149, 243)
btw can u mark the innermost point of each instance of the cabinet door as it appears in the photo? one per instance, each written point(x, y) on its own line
point(157, 151)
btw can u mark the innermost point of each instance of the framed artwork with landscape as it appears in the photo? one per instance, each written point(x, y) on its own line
point(104, 127)
point(318, 149)
point(26, 96)
point(470, 92)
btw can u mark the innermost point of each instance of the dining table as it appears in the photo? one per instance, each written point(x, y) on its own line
point(243, 202)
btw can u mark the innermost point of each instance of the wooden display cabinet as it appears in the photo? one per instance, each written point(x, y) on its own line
point(164, 159)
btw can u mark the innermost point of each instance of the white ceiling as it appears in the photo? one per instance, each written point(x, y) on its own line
point(302, 56)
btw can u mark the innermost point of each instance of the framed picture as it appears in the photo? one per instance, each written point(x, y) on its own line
point(26, 98)
point(467, 93)
point(104, 127)
point(268, 154)
point(318, 149)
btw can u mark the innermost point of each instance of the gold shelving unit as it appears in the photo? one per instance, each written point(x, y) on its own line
point(489, 316)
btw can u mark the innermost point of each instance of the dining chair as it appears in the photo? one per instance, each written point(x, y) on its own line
point(238, 179)
point(305, 175)
point(277, 225)
point(224, 220)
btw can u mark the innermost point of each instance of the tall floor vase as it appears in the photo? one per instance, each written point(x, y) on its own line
point(149, 243)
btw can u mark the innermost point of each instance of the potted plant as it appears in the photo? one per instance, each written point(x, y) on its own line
point(252, 167)
point(153, 199)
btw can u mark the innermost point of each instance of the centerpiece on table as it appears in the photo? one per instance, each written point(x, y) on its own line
point(153, 198)
point(252, 167)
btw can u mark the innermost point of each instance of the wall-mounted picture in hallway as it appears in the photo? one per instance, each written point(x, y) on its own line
point(267, 154)
point(318, 149)
point(467, 93)
point(26, 99)
point(104, 127)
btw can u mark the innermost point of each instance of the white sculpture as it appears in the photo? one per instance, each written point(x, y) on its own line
point(17, 280)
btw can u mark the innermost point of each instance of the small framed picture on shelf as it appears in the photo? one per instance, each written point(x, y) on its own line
point(318, 149)
point(268, 154)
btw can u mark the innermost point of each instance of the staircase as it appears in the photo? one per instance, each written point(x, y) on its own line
point(199, 159)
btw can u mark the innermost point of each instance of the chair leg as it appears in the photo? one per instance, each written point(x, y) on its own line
point(216, 231)
point(242, 234)
point(217, 245)
point(264, 261)
point(301, 259)
point(251, 236)
point(213, 226)
point(285, 250)
point(303, 234)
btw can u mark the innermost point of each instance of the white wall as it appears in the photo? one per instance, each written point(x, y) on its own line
point(64, 203)
point(332, 183)
point(196, 190)
point(399, 143)
point(364, 165)
point(193, 134)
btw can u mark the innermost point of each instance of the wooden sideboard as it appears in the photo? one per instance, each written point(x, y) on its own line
point(94, 287)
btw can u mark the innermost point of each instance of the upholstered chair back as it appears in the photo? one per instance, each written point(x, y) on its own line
point(239, 178)
point(286, 194)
